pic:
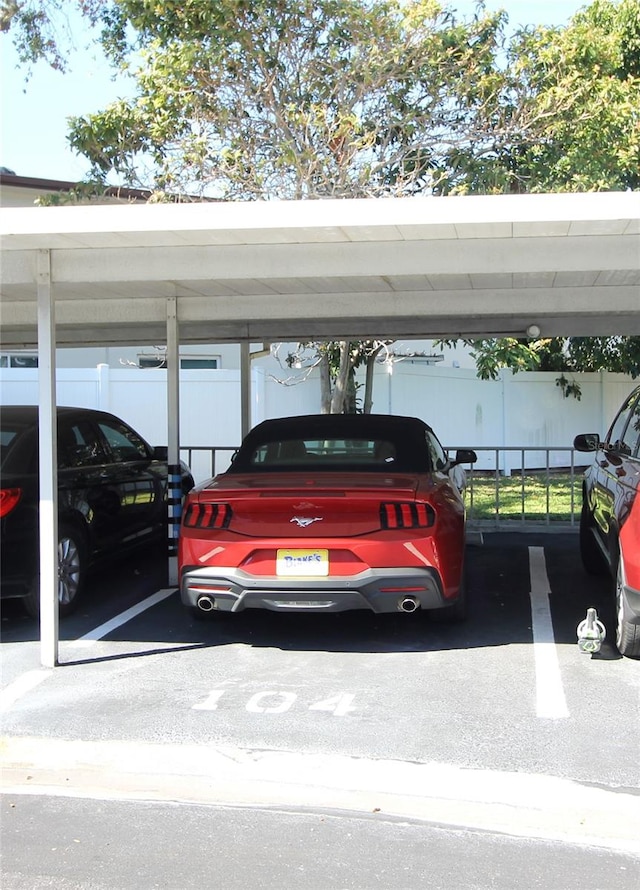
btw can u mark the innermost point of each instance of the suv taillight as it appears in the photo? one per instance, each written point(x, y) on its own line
point(9, 498)
point(207, 516)
point(406, 514)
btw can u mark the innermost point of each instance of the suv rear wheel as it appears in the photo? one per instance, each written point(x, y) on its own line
point(627, 634)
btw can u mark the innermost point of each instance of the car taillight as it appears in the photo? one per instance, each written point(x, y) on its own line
point(207, 516)
point(406, 514)
point(9, 498)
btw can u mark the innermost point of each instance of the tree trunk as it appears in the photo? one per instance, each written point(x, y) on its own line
point(368, 385)
point(325, 384)
point(340, 386)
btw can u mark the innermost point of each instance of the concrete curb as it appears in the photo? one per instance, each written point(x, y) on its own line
point(523, 805)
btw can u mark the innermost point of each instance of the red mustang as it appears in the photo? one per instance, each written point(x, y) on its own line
point(326, 513)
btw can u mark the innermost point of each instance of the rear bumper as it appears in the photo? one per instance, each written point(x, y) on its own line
point(378, 590)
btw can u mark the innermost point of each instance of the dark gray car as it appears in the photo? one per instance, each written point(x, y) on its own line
point(610, 520)
point(112, 497)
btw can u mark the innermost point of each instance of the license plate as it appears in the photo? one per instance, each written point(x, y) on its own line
point(302, 563)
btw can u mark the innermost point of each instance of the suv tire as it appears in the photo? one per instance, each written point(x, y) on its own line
point(627, 633)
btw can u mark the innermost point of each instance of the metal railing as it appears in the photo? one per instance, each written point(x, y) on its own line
point(509, 488)
point(513, 487)
point(205, 460)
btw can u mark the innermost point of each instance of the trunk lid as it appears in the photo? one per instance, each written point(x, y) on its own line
point(298, 505)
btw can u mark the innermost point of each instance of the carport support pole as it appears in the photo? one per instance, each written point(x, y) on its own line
point(48, 463)
point(174, 476)
point(245, 387)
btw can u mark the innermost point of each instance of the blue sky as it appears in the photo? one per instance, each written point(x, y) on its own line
point(33, 114)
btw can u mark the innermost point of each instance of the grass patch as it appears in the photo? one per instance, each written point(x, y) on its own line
point(534, 496)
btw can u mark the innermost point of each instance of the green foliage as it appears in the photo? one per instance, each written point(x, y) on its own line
point(568, 114)
point(572, 354)
point(568, 120)
point(246, 99)
point(569, 387)
point(40, 28)
point(317, 98)
point(492, 355)
point(120, 134)
point(618, 354)
point(275, 98)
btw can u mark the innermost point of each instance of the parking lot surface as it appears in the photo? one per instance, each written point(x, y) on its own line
point(500, 724)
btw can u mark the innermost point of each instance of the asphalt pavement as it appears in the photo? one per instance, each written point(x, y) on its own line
point(89, 844)
point(325, 751)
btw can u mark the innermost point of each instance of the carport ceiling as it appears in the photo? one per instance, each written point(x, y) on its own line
point(396, 267)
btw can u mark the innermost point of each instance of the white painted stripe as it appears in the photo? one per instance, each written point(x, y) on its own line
point(550, 699)
point(103, 629)
point(23, 684)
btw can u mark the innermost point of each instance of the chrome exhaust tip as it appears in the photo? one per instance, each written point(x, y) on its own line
point(205, 603)
point(408, 604)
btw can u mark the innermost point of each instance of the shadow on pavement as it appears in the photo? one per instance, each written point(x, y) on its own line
point(499, 610)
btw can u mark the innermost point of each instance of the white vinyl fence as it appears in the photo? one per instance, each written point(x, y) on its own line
point(523, 418)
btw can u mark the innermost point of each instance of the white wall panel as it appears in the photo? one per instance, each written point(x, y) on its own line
point(526, 410)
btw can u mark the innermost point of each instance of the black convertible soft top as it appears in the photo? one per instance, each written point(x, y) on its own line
point(406, 436)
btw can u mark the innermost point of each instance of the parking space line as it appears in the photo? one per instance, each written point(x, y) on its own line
point(103, 629)
point(20, 686)
point(550, 698)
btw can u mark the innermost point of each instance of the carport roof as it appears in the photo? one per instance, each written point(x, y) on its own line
point(395, 267)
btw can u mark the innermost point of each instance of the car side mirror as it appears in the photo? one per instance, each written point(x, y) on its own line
point(587, 442)
point(161, 452)
point(464, 456)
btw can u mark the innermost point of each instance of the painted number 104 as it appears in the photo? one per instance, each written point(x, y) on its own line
point(274, 702)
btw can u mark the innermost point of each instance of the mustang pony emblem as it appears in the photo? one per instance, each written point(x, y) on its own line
point(304, 521)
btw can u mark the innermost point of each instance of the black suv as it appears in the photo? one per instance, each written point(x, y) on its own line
point(112, 497)
point(610, 520)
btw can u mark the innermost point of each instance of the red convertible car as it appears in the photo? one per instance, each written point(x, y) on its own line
point(326, 513)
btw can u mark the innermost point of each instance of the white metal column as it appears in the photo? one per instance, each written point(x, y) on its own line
point(48, 465)
point(174, 476)
point(245, 387)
